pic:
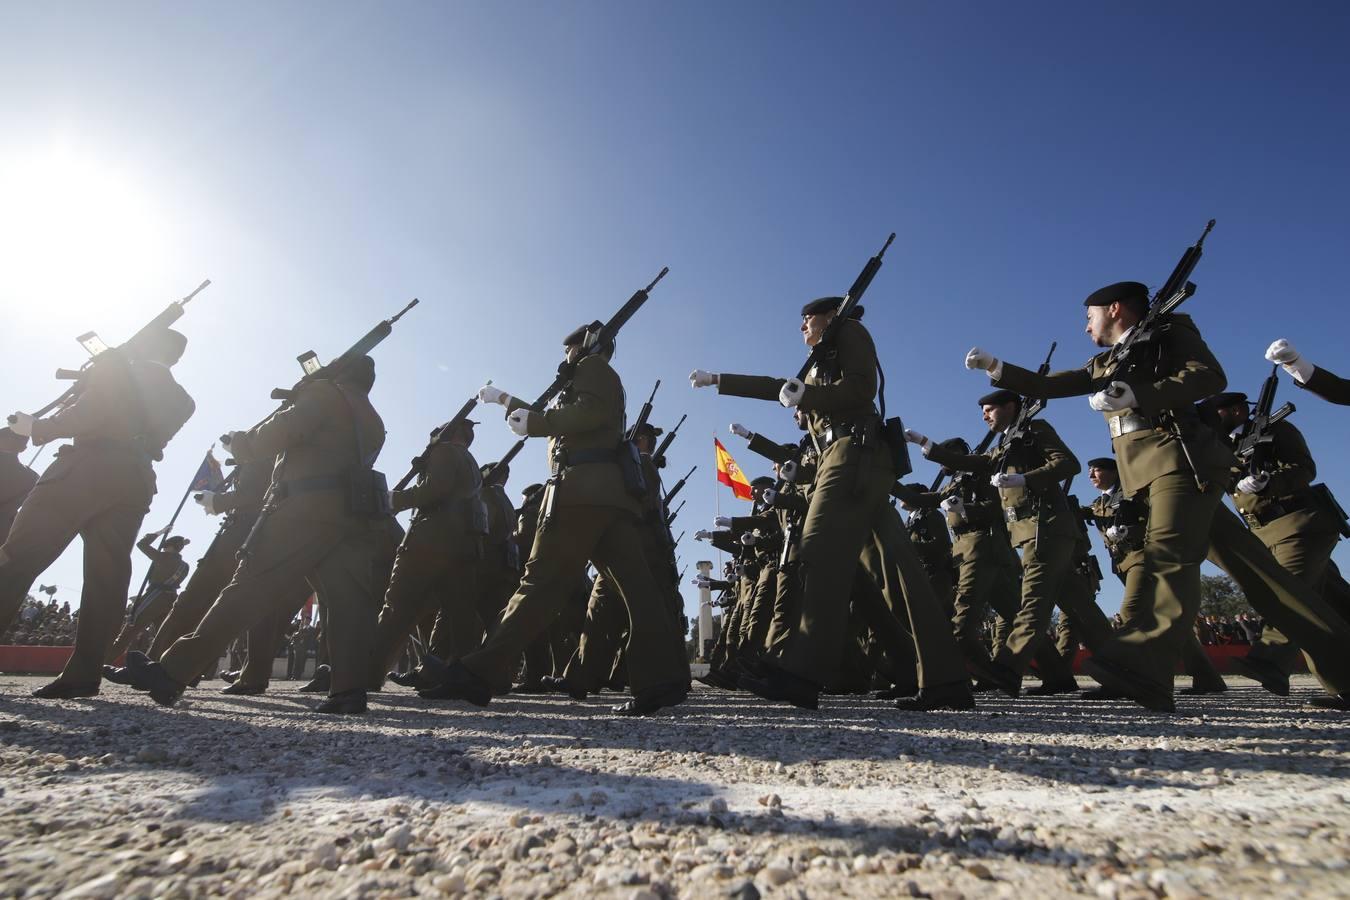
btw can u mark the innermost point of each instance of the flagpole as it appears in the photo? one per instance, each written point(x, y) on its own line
point(164, 535)
point(717, 506)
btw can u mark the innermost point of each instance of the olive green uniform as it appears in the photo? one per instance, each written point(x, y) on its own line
point(437, 562)
point(1185, 522)
point(239, 505)
point(147, 611)
point(933, 542)
point(1298, 526)
point(848, 516)
point(1112, 508)
point(327, 434)
point(1040, 525)
point(16, 480)
point(99, 487)
point(588, 514)
point(1328, 386)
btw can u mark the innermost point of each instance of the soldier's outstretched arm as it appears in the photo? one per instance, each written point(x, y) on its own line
point(1308, 376)
point(961, 462)
point(1066, 383)
point(1060, 463)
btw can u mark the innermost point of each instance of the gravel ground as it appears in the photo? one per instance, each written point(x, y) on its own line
point(1240, 795)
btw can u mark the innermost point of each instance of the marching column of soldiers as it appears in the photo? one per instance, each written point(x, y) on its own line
point(846, 577)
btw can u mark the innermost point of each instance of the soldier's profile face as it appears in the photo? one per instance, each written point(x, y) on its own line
point(1102, 479)
point(813, 326)
point(1233, 416)
point(572, 352)
point(998, 417)
point(1098, 325)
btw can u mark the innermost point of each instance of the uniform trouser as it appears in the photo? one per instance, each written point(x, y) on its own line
point(847, 501)
point(910, 599)
point(1162, 590)
point(1045, 563)
point(759, 615)
point(1284, 601)
point(1082, 620)
point(607, 536)
point(106, 514)
point(990, 581)
point(942, 578)
point(145, 615)
point(212, 573)
point(266, 635)
point(590, 666)
point(338, 563)
point(1066, 639)
point(496, 583)
point(427, 577)
point(1306, 555)
point(1195, 662)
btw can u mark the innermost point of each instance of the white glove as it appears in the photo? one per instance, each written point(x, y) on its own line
point(722, 522)
point(1008, 480)
point(1117, 396)
point(1117, 532)
point(915, 437)
point(1287, 355)
point(979, 359)
point(519, 422)
point(1253, 484)
point(207, 501)
point(792, 392)
point(769, 497)
point(703, 534)
point(740, 430)
point(227, 440)
point(788, 471)
point(699, 378)
point(489, 394)
point(954, 505)
point(702, 582)
point(748, 539)
point(21, 423)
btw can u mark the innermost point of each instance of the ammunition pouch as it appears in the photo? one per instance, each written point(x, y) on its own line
point(893, 435)
point(1328, 499)
point(368, 494)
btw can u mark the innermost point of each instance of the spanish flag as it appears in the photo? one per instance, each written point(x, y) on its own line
point(729, 473)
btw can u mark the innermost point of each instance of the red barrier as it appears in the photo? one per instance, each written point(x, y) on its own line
point(33, 660)
point(1219, 654)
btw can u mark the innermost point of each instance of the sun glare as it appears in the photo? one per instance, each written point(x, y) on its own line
point(75, 231)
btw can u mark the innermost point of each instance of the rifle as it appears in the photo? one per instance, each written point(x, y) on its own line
point(679, 485)
point(1030, 408)
point(825, 345)
point(440, 435)
point(644, 414)
point(1172, 294)
point(604, 337)
point(1253, 443)
point(671, 518)
point(315, 371)
point(681, 537)
point(659, 457)
point(95, 347)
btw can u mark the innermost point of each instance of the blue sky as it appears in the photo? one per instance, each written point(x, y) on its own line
point(523, 168)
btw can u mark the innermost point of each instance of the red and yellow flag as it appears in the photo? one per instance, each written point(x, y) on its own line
point(729, 473)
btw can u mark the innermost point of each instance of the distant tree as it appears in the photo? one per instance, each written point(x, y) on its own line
point(1220, 596)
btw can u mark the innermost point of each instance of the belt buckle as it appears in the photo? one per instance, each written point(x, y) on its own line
point(1114, 423)
point(1010, 513)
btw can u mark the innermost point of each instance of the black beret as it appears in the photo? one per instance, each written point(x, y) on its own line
point(917, 487)
point(1121, 291)
point(829, 304)
point(1227, 398)
point(531, 489)
point(762, 481)
point(1000, 397)
point(1103, 462)
point(579, 334)
point(649, 429)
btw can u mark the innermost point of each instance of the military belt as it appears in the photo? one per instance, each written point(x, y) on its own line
point(837, 432)
point(1129, 423)
point(1277, 509)
point(308, 485)
point(967, 528)
point(565, 459)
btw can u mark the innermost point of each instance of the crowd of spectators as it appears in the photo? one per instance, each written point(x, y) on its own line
point(1240, 629)
point(48, 624)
